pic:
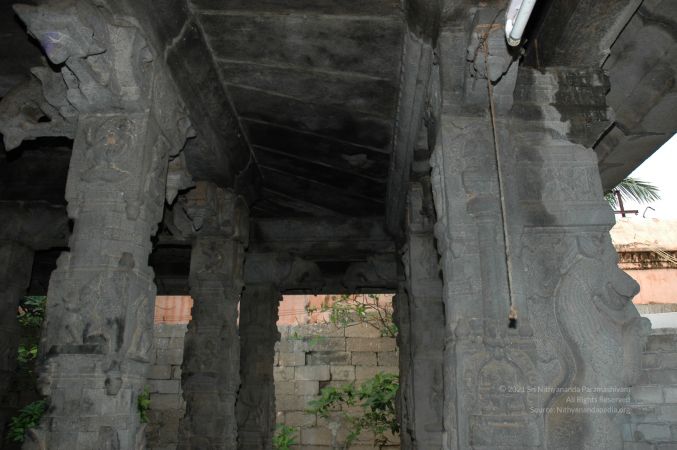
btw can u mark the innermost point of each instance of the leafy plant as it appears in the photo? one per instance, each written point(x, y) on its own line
point(370, 309)
point(376, 397)
point(633, 189)
point(32, 311)
point(143, 404)
point(29, 417)
point(27, 353)
point(284, 437)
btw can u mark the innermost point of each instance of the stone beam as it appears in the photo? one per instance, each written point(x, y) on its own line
point(423, 21)
point(324, 239)
point(210, 378)
point(114, 97)
point(642, 70)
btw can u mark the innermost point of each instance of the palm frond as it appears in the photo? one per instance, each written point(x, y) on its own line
point(635, 190)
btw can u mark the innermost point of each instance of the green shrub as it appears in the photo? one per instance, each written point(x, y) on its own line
point(27, 353)
point(284, 437)
point(32, 311)
point(28, 417)
point(143, 404)
point(377, 399)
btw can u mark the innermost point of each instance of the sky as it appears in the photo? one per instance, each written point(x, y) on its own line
point(660, 169)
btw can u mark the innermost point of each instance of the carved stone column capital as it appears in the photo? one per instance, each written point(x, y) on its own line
point(208, 210)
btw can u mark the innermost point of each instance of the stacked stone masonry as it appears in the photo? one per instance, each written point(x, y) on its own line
point(307, 358)
point(310, 357)
point(653, 423)
point(164, 386)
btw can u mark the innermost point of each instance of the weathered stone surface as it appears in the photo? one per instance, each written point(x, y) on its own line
point(210, 376)
point(98, 330)
point(258, 333)
point(510, 215)
point(420, 318)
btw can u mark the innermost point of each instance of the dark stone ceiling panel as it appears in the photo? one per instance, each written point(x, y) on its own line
point(357, 128)
point(315, 85)
point(275, 205)
point(349, 91)
point(345, 181)
point(320, 194)
point(370, 46)
point(348, 7)
point(344, 156)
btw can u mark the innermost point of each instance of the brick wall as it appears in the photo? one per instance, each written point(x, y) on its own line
point(309, 357)
point(653, 421)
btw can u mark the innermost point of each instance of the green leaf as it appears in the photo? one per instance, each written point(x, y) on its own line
point(27, 418)
point(284, 437)
point(631, 188)
point(143, 405)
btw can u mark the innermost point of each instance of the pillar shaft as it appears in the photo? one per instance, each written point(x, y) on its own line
point(258, 333)
point(98, 330)
point(210, 376)
point(524, 226)
point(16, 261)
point(421, 315)
point(114, 98)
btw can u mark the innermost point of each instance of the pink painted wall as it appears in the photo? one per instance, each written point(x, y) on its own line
point(656, 285)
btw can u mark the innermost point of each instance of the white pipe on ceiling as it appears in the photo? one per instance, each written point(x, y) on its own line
point(516, 20)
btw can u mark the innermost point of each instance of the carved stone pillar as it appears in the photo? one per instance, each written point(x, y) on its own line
point(258, 333)
point(16, 262)
point(211, 360)
point(117, 102)
point(421, 313)
point(536, 307)
point(266, 275)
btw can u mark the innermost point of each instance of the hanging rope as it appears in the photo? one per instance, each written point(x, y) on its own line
point(512, 314)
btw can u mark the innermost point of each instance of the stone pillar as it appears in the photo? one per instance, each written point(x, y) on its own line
point(536, 307)
point(210, 376)
point(266, 275)
point(117, 103)
point(98, 330)
point(420, 311)
point(16, 261)
point(258, 333)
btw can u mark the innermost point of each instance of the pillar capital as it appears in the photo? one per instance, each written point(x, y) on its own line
point(208, 210)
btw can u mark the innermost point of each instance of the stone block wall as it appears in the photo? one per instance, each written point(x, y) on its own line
point(653, 421)
point(164, 384)
point(310, 357)
point(307, 358)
